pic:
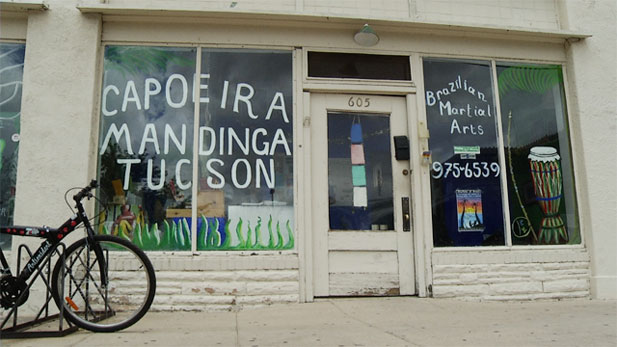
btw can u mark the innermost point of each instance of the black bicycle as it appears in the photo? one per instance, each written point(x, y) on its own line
point(101, 283)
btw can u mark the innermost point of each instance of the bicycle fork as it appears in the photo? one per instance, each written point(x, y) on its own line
point(95, 246)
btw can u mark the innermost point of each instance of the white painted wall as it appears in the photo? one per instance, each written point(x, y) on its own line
point(56, 151)
point(593, 82)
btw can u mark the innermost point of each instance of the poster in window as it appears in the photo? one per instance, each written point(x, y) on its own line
point(469, 210)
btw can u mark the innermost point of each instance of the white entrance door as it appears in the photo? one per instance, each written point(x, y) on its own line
point(362, 237)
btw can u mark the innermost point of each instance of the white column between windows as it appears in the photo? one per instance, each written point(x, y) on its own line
point(194, 187)
point(502, 158)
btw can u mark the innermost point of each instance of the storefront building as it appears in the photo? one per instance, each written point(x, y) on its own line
point(263, 152)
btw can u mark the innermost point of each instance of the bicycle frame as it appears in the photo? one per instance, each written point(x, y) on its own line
point(52, 237)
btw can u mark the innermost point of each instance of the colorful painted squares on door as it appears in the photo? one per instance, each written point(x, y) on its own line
point(358, 169)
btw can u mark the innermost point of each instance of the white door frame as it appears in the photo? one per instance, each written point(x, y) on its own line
point(317, 244)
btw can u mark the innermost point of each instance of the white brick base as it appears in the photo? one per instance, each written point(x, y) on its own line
point(224, 282)
point(512, 274)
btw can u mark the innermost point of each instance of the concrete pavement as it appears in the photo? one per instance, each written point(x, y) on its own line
point(394, 321)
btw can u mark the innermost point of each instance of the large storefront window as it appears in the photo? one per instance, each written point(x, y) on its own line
point(466, 172)
point(242, 194)
point(537, 150)
point(11, 76)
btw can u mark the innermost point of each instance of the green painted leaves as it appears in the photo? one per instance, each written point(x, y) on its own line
point(246, 238)
point(213, 234)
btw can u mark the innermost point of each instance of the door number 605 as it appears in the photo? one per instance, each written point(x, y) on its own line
point(356, 101)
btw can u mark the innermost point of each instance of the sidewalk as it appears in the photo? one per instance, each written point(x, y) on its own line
point(397, 321)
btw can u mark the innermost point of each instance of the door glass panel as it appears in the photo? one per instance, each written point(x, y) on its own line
point(359, 172)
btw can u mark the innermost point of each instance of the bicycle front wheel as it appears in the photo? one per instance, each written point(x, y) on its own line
point(100, 307)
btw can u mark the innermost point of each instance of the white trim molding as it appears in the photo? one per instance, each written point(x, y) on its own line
point(170, 13)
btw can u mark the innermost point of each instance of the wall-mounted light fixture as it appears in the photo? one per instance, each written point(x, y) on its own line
point(366, 36)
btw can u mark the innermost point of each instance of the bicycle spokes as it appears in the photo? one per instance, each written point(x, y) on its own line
point(110, 306)
point(86, 294)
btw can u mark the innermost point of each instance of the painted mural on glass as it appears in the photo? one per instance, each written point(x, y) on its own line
point(244, 184)
point(11, 77)
point(537, 149)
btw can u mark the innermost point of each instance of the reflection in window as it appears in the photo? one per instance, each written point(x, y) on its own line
point(538, 159)
point(359, 172)
point(465, 172)
point(11, 76)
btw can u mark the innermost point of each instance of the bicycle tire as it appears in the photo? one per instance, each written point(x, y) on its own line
point(90, 305)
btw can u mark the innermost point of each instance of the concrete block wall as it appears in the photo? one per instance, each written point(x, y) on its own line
point(505, 278)
point(224, 282)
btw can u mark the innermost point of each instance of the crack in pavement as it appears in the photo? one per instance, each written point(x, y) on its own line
point(237, 330)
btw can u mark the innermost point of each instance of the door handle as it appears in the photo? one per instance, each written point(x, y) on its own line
point(406, 214)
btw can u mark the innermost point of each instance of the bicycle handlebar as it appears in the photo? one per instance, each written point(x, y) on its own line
point(85, 192)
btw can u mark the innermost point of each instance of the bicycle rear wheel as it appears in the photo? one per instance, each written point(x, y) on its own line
point(96, 307)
